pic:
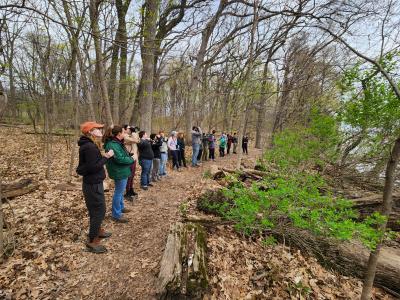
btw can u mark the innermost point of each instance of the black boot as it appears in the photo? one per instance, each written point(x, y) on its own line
point(128, 196)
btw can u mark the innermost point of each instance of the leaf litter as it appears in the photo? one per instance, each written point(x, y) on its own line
point(50, 260)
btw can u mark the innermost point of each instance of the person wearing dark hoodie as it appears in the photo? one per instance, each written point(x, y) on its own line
point(119, 169)
point(181, 147)
point(146, 156)
point(91, 167)
point(156, 143)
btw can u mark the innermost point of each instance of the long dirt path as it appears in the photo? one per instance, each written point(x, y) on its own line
point(129, 269)
point(49, 259)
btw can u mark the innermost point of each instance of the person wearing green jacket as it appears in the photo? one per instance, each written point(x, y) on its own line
point(222, 145)
point(118, 169)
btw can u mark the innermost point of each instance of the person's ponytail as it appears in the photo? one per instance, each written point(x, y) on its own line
point(111, 132)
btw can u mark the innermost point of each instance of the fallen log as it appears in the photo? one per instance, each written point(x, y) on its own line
point(348, 258)
point(372, 203)
point(18, 188)
point(374, 200)
point(183, 273)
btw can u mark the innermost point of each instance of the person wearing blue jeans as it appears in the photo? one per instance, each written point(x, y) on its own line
point(196, 141)
point(118, 198)
point(119, 169)
point(145, 176)
point(164, 155)
point(146, 156)
point(163, 163)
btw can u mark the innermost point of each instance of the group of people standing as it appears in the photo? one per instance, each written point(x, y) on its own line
point(124, 148)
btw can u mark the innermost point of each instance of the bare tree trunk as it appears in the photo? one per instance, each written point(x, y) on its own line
point(244, 115)
point(122, 9)
point(242, 125)
point(197, 71)
point(147, 49)
point(12, 100)
point(387, 208)
point(93, 8)
point(1, 227)
point(261, 109)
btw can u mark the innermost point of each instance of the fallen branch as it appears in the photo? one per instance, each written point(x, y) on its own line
point(349, 258)
point(18, 188)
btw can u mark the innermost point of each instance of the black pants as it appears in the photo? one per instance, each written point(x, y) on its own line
point(244, 148)
point(228, 149)
point(95, 203)
point(181, 158)
point(199, 155)
point(212, 153)
point(221, 151)
point(175, 158)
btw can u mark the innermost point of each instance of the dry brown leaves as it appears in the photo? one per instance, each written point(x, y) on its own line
point(243, 269)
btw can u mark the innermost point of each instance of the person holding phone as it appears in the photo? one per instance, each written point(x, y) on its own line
point(91, 167)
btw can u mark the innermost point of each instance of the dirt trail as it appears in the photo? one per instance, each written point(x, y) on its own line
point(50, 260)
point(130, 267)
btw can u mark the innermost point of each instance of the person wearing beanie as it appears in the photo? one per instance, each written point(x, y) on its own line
point(91, 168)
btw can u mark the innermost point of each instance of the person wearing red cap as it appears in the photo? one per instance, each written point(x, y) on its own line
point(91, 167)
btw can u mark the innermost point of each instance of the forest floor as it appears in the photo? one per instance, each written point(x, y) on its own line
point(50, 260)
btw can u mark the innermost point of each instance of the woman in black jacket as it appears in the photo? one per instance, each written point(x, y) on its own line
point(91, 167)
point(156, 143)
point(181, 154)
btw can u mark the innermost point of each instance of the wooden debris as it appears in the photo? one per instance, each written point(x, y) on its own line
point(18, 188)
point(349, 258)
point(67, 186)
point(216, 173)
point(183, 273)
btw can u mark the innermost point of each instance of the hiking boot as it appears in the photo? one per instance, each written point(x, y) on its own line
point(150, 184)
point(94, 246)
point(120, 220)
point(144, 187)
point(126, 210)
point(128, 197)
point(104, 234)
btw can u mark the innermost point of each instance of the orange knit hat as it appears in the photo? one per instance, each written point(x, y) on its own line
point(87, 126)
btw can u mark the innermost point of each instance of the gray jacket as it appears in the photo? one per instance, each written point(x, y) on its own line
point(196, 136)
point(164, 146)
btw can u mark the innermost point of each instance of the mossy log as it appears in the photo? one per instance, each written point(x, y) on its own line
point(18, 188)
point(349, 258)
point(183, 273)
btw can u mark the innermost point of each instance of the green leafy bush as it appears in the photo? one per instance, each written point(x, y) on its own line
point(297, 148)
point(292, 196)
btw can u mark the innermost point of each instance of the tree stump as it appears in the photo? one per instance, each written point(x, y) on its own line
point(216, 173)
point(183, 273)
